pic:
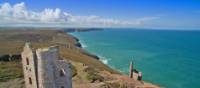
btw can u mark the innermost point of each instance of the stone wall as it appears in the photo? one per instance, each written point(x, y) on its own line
point(28, 62)
point(45, 68)
point(46, 65)
point(63, 74)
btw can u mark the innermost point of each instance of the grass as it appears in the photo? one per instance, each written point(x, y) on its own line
point(93, 75)
point(12, 42)
point(10, 70)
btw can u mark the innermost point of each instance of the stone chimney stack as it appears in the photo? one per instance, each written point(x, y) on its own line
point(131, 70)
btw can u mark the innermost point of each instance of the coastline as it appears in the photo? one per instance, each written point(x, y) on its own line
point(99, 57)
point(72, 50)
point(82, 46)
point(102, 60)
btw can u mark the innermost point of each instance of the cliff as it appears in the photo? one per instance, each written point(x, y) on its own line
point(88, 71)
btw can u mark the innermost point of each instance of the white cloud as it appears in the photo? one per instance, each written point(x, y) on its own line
point(19, 14)
point(50, 15)
point(5, 9)
point(141, 21)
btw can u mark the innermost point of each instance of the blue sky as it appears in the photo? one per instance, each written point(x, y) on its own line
point(109, 13)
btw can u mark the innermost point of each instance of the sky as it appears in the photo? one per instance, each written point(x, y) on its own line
point(171, 14)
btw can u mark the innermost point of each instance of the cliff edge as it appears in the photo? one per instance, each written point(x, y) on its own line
point(87, 70)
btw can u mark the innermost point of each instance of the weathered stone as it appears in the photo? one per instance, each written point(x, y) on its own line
point(43, 68)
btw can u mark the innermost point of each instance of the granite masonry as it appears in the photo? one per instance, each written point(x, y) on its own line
point(43, 68)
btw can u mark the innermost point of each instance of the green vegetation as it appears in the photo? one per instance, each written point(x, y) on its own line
point(117, 84)
point(10, 70)
point(93, 75)
point(87, 70)
point(12, 42)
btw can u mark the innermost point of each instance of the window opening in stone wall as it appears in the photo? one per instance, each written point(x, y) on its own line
point(62, 72)
point(30, 80)
point(27, 61)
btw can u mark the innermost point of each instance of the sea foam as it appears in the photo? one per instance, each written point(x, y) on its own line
point(104, 59)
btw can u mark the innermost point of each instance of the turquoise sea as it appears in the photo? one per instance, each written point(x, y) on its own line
point(165, 57)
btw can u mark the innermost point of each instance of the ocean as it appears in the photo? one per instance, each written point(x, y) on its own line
point(169, 58)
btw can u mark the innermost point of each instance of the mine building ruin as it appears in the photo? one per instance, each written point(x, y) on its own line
point(43, 68)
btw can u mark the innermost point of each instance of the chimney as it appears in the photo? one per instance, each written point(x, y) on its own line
point(131, 70)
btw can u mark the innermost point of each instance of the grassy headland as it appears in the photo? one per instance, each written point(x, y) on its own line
point(87, 69)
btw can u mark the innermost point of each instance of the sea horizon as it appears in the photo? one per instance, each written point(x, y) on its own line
point(158, 41)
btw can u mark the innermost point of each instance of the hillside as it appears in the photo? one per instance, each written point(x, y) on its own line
point(88, 71)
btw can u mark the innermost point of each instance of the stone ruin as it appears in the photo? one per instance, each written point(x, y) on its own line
point(43, 68)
